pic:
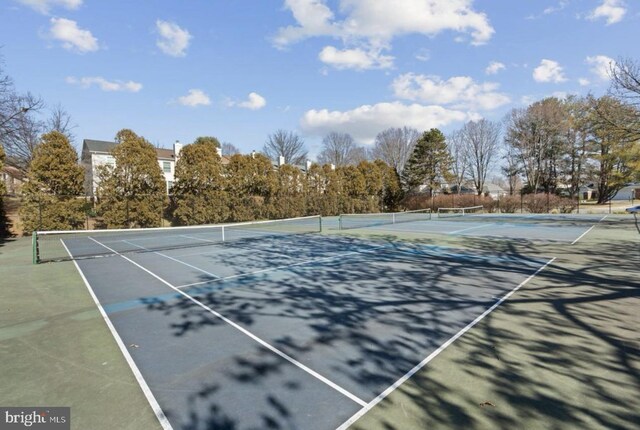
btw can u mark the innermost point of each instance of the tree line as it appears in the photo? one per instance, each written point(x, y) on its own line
point(132, 193)
point(553, 145)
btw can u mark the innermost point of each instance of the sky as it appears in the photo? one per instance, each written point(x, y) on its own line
point(240, 70)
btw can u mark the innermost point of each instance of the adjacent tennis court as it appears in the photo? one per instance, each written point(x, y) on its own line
point(276, 325)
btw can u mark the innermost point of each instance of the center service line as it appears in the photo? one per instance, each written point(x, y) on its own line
point(245, 331)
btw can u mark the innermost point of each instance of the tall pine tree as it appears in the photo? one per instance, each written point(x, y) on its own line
point(52, 197)
point(199, 195)
point(132, 193)
point(429, 163)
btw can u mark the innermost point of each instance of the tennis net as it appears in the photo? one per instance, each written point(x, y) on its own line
point(80, 244)
point(458, 212)
point(349, 221)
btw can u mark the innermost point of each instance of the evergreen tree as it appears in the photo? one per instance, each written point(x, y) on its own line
point(199, 196)
point(392, 189)
point(429, 163)
point(251, 182)
point(374, 186)
point(52, 197)
point(354, 192)
point(288, 198)
point(132, 193)
point(208, 140)
point(314, 189)
point(333, 191)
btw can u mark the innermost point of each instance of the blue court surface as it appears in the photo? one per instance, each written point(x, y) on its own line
point(299, 331)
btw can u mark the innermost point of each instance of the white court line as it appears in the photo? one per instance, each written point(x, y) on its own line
point(244, 331)
point(470, 228)
point(582, 235)
point(164, 422)
point(585, 233)
point(271, 269)
point(166, 256)
point(435, 353)
point(200, 239)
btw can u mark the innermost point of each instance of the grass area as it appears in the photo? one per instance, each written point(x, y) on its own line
point(56, 349)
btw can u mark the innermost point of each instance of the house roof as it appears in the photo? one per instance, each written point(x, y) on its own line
point(165, 153)
point(106, 147)
point(14, 172)
point(98, 145)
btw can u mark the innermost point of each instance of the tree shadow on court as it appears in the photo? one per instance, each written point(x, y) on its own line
point(559, 351)
point(561, 354)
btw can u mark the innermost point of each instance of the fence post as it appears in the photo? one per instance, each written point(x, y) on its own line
point(39, 214)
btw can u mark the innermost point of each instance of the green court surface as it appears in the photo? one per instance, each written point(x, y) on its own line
point(561, 352)
point(55, 349)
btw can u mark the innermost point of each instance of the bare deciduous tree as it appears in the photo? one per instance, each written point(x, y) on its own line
point(456, 145)
point(286, 144)
point(229, 149)
point(59, 120)
point(338, 149)
point(480, 146)
point(395, 145)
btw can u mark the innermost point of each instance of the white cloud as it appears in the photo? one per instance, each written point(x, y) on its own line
point(562, 4)
point(195, 98)
point(494, 67)
point(104, 84)
point(423, 55)
point(612, 10)
point(173, 40)
point(549, 71)
point(601, 66)
point(44, 6)
point(254, 102)
point(458, 91)
point(364, 122)
point(357, 58)
point(584, 82)
point(373, 25)
point(72, 37)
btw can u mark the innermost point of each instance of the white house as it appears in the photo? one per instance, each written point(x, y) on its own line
point(96, 153)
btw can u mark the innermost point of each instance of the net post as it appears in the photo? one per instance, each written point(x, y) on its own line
point(223, 233)
point(34, 247)
point(320, 221)
point(340, 222)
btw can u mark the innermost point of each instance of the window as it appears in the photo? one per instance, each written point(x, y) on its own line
point(166, 166)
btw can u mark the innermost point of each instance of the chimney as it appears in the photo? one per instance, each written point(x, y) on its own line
point(281, 160)
point(309, 163)
point(333, 166)
point(177, 147)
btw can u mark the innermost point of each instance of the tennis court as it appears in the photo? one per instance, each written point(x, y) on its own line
point(277, 325)
point(534, 227)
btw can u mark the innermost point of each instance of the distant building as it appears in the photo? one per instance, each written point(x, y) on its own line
point(96, 153)
point(494, 191)
point(13, 179)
